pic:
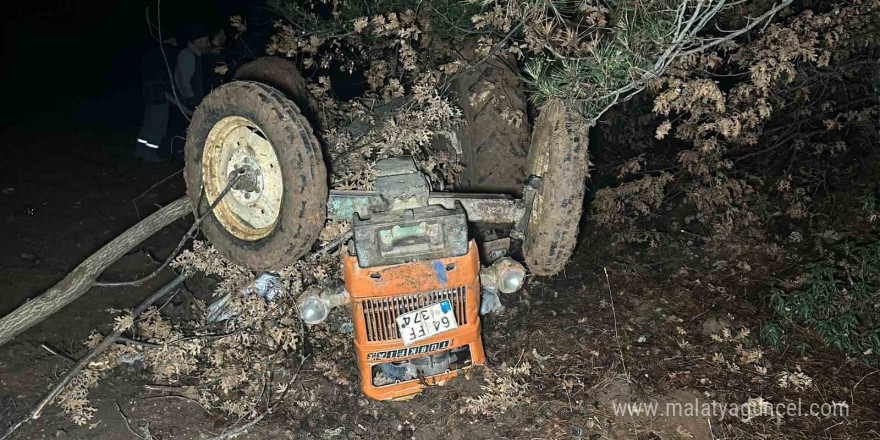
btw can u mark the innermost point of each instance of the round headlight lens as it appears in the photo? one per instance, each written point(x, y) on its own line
point(512, 279)
point(313, 310)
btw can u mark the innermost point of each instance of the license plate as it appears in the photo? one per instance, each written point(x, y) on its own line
point(426, 322)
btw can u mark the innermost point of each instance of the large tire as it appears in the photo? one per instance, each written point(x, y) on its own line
point(494, 150)
point(559, 157)
point(284, 76)
point(246, 122)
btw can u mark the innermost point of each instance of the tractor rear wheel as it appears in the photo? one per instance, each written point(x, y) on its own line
point(494, 142)
point(283, 75)
point(274, 211)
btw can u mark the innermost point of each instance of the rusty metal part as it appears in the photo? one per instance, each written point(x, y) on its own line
point(492, 250)
point(400, 183)
point(530, 189)
point(482, 208)
point(343, 205)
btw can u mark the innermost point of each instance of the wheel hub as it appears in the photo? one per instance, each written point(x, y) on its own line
point(237, 149)
point(249, 187)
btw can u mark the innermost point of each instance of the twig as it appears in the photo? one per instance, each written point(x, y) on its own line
point(168, 301)
point(853, 390)
point(134, 200)
point(732, 35)
point(488, 56)
point(331, 245)
point(614, 313)
point(246, 426)
point(58, 353)
point(241, 428)
point(148, 436)
point(106, 342)
point(178, 396)
point(187, 394)
point(189, 234)
point(150, 24)
point(684, 32)
point(136, 342)
point(165, 57)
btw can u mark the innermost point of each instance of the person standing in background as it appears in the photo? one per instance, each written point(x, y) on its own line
point(189, 70)
point(173, 81)
point(155, 83)
point(161, 96)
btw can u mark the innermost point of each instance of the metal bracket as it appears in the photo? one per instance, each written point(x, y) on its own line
point(400, 183)
point(530, 190)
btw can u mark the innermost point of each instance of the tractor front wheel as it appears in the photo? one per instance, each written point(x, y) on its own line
point(252, 134)
point(559, 156)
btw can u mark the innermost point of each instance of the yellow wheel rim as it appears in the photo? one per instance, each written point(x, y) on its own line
point(252, 207)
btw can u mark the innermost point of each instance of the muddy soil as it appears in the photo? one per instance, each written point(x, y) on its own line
point(619, 325)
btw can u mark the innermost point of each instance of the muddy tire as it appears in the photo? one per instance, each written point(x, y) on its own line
point(274, 219)
point(284, 76)
point(559, 157)
point(494, 150)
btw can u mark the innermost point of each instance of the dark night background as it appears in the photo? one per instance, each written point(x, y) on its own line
point(73, 105)
point(75, 64)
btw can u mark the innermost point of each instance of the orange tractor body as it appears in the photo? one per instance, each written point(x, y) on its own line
point(389, 368)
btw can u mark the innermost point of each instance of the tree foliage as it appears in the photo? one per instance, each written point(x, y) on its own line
point(754, 120)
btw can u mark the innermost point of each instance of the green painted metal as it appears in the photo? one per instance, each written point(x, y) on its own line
point(485, 208)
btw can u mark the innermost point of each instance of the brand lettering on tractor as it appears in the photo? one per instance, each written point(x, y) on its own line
point(410, 351)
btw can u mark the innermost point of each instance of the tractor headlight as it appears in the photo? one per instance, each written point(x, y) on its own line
point(505, 275)
point(315, 305)
point(512, 279)
point(313, 309)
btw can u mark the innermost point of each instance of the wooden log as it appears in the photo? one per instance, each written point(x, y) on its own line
point(81, 279)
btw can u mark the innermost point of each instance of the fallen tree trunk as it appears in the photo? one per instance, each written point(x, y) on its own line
point(84, 276)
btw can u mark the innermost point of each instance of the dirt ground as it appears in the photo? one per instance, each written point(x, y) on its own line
point(621, 325)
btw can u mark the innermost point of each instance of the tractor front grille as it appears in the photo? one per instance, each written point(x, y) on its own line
point(380, 314)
